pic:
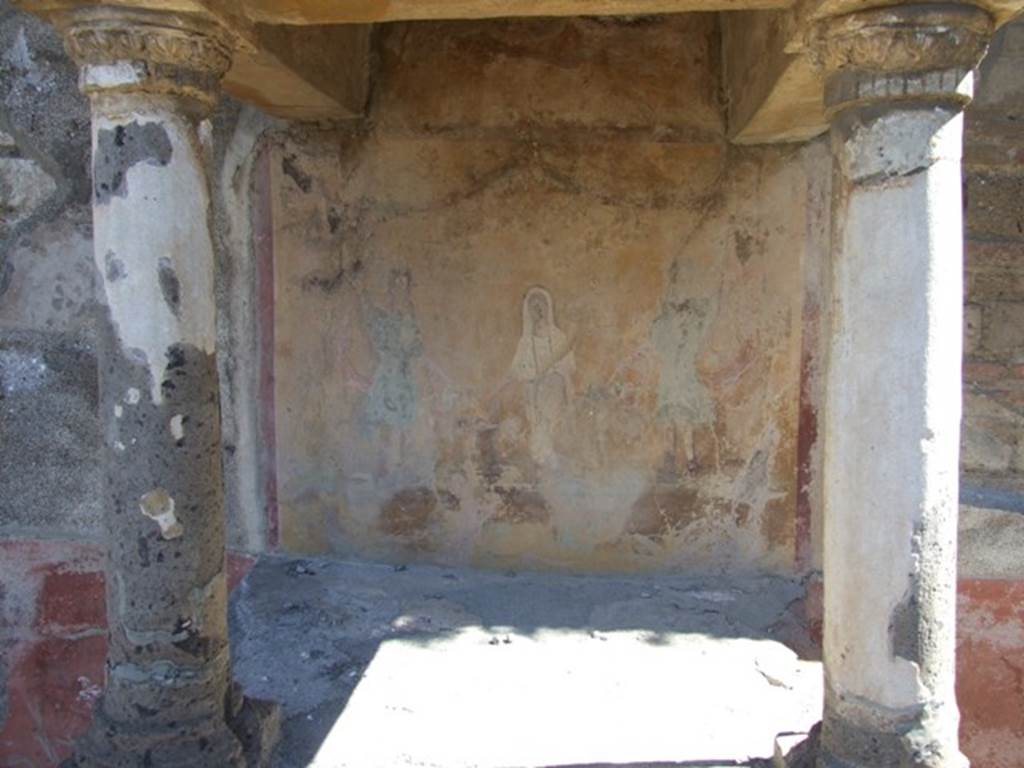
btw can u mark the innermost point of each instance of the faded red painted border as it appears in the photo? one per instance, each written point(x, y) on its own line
point(807, 435)
point(236, 566)
point(263, 252)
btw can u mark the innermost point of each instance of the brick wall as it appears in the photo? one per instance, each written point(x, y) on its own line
point(990, 684)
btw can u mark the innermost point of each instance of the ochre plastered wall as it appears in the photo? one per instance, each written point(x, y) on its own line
point(537, 312)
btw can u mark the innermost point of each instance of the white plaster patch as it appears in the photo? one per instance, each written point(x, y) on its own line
point(119, 446)
point(159, 506)
point(178, 427)
point(206, 140)
point(902, 142)
point(118, 411)
point(132, 396)
point(88, 691)
point(161, 218)
point(112, 75)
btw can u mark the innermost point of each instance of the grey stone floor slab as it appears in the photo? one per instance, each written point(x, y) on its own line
point(384, 667)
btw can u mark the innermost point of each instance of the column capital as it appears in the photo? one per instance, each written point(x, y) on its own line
point(901, 53)
point(123, 50)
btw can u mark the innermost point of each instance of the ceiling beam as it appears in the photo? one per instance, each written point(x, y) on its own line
point(308, 73)
point(367, 11)
point(312, 73)
point(772, 93)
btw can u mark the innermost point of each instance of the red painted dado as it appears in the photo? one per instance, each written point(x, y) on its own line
point(50, 695)
point(990, 672)
point(71, 602)
point(53, 635)
point(53, 643)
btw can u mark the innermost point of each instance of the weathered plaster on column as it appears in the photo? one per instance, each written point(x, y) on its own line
point(897, 81)
point(900, 143)
point(169, 699)
point(157, 264)
point(892, 431)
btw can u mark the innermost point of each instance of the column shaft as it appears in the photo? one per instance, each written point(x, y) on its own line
point(897, 82)
point(167, 664)
point(168, 700)
point(892, 436)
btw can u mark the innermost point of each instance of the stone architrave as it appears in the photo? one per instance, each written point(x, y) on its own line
point(151, 78)
point(897, 81)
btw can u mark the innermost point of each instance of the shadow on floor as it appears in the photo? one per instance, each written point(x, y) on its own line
point(379, 666)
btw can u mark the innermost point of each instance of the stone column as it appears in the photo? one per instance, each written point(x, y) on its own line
point(897, 80)
point(151, 78)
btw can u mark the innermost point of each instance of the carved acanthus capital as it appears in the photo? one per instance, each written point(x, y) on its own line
point(903, 52)
point(904, 39)
point(122, 50)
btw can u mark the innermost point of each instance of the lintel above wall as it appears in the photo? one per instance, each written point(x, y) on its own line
point(309, 59)
point(364, 11)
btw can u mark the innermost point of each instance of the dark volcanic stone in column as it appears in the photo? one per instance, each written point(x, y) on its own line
point(168, 700)
point(168, 659)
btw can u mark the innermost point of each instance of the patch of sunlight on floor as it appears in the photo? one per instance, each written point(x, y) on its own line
point(491, 698)
point(380, 666)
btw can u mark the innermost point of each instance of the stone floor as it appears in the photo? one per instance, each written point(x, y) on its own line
point(384, 667)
